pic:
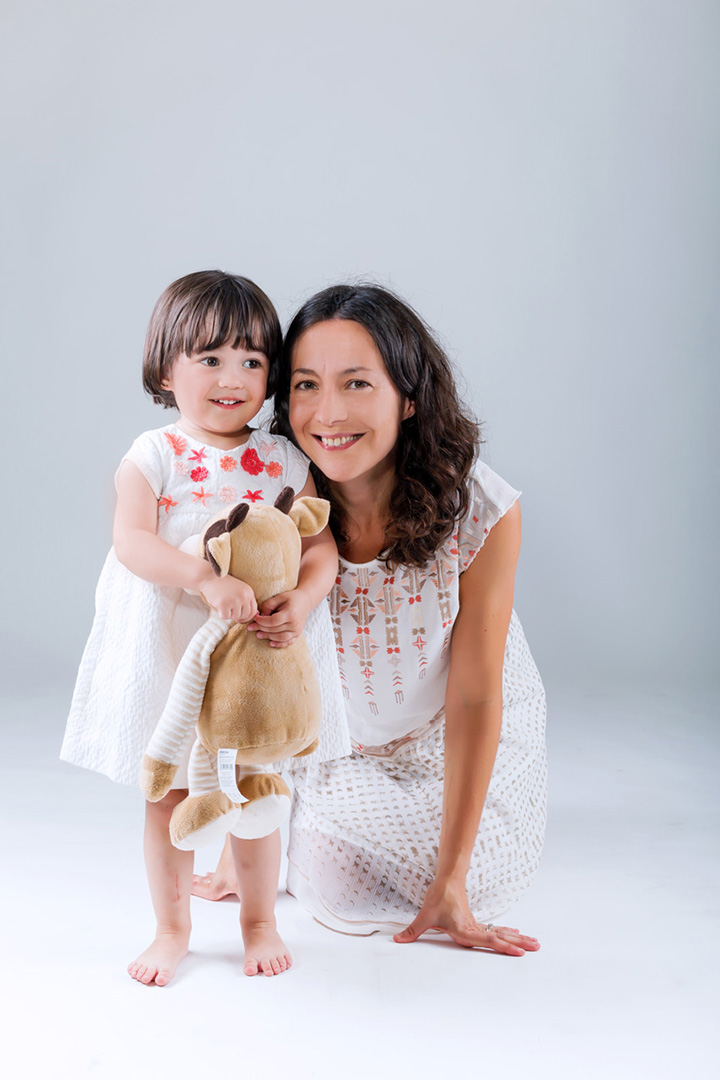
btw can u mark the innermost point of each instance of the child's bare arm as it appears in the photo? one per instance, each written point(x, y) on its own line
point(142, 551)
point(283, 616)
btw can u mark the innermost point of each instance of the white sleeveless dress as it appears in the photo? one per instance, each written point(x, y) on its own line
point(141, 631)
point(365, 828)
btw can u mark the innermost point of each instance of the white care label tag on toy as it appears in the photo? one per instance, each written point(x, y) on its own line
point(226, 775)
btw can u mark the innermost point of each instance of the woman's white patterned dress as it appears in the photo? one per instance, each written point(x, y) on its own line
point(365, 828)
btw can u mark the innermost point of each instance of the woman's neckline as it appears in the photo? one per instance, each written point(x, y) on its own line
point(359, 565)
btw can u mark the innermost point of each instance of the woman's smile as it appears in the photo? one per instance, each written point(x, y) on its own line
point(337, 442)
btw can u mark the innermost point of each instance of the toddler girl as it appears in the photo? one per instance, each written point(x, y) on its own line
point(211, 352)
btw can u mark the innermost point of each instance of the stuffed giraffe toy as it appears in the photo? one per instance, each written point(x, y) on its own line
point(249, 705)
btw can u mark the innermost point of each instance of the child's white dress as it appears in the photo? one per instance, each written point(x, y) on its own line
point(141, 631)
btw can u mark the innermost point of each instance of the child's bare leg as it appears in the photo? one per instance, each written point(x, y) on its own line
point(169, 874)
point(257, 863)
point(223, 882)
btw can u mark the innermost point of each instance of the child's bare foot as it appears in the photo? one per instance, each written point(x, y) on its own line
point(265, 951)
point(214, 886)
point(158, 963)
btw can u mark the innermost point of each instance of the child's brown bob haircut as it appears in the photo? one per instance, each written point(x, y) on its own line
point(201, 312)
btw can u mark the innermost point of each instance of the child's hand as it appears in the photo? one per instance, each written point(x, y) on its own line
point(282, 618)
point(231, 598)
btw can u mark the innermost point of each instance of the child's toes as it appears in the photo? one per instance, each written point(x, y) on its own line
point(251, 966)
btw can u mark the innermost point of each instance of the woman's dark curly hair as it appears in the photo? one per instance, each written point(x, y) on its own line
point(437, 445)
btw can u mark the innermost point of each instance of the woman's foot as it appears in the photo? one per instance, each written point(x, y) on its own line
point(159, 963)
point(214, 886)
point(223, 882)
point(265, 951)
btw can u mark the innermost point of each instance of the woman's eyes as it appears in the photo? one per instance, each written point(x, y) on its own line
point(353, 384)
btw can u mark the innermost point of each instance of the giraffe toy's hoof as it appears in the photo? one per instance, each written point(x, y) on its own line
point(202, 819)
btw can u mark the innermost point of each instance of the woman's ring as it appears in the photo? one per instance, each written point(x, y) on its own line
point(489, 926)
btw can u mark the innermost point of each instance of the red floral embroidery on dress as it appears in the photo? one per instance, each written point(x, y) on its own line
point(199, 474)
point(251, 462)
point(177, 442)
point(197, 455)
point(273, 468)
point(180, 468)
point(228, 493)
point(202, 495)
point(227, 463)
point(253, 496)
point(167, 502)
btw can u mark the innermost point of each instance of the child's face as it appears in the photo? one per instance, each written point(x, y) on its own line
point(218, 392)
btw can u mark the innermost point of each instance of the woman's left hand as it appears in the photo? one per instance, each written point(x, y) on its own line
point(446, 908)
point(282, 618)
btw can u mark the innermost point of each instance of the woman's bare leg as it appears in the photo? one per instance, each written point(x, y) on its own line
point(257, 864)
point(169, 873)
point(221, 883)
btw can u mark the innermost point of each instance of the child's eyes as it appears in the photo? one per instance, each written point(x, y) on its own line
point(213, 361)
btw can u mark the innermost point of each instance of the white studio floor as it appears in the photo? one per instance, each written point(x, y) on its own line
point(625, 905)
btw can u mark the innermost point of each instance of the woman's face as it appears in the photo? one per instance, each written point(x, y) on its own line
point(344, 410)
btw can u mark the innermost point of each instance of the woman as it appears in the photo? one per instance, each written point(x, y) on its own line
point(437, 818)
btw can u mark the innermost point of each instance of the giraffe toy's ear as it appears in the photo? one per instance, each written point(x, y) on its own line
point(310, 515)
point(217, 552)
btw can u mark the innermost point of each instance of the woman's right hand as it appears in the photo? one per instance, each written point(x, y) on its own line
point(446, 908)
point(231, 598)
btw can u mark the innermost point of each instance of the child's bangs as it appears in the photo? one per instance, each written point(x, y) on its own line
point(212, 327)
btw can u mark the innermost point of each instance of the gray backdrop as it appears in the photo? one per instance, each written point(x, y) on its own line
point(538, 178)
